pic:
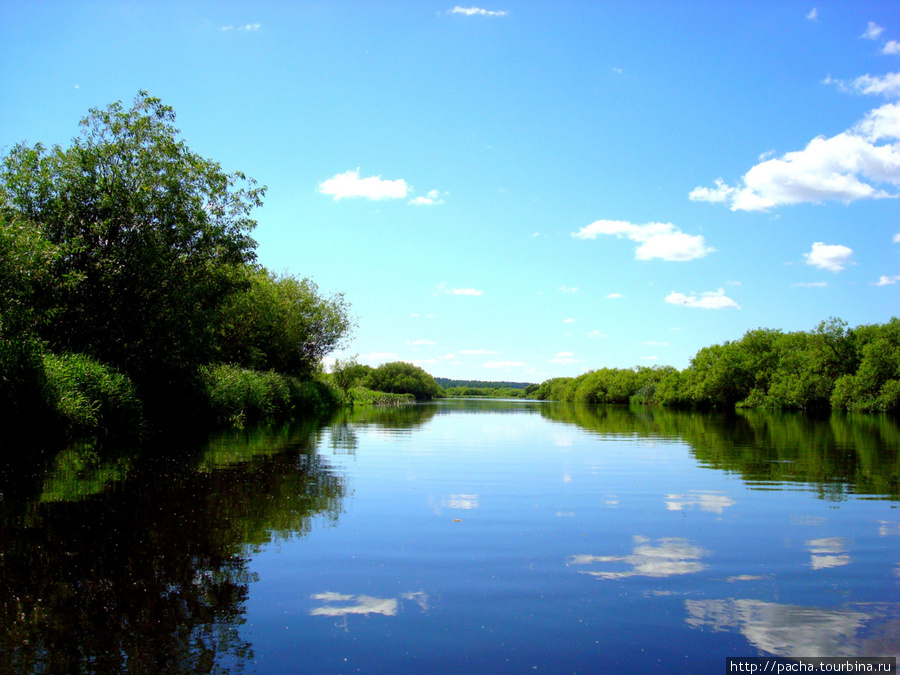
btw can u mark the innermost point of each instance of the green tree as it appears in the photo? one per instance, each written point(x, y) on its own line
point(348, 373)
point(27, 282)
point(150, 234)
point(404, 378)
point(281, 323)
point(875, 386)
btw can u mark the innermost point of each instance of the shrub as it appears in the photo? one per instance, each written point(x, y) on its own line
point(237, 395)
point(89, 397)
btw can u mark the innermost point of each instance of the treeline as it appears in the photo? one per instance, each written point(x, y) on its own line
point(830, 367)
point(491, 392)
point(131, 290)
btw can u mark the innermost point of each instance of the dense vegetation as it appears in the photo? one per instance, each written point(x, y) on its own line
point(479, 388)
point(129, 278)
point(489, 392)
point(131, 292)
point(832, 367)
point(396, 377)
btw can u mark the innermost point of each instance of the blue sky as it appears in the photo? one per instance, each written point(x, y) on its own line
point(521, 190)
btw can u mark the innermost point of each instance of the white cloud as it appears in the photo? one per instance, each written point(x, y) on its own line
point(721, 193)
point(884, 280)
point(708, 300)
point(831, 257)
point(249, 27)
point(349, 184)
point(873, 31)
point(614, 296)
point(476, 351)
point(433, 198)
point(880, 124)
point(885, 85)
point(892, 47)
point(870, 85)
point(597, 334)
point(566, 289)
point(897, 238)
point(657, 240)
point(813, 284)
point(504, 364)
point(813, 14)
point(569, 321)
point(844, 167)
point(442, 288)
point(421, 342)
point(477, 11)
point(563, 358)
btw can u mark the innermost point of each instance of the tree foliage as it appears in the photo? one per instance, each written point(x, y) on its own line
point(281, 323)
point(149, 235)
point(133, 250)
point(348, 373)
point(398, 377)
point(25, 259)
point(831, 366)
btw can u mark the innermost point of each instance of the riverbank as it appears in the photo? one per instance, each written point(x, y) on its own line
point(75, 397)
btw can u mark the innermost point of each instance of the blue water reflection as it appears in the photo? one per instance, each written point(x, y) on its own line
point(461, 537)
point(533, 541)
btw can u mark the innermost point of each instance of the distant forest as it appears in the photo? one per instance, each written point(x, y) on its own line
point(480, 384)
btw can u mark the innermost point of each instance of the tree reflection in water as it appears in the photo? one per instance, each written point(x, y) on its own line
point(141, 565)
point(837, 454)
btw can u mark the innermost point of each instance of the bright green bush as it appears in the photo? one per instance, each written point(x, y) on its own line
point(363, 396)
point(89, 397)
point(238, 396)
point(281, 323)
point(398, 377)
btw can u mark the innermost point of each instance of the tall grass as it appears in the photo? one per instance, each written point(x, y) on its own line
point(238, 396)
point(89, 397)
point(363, 396)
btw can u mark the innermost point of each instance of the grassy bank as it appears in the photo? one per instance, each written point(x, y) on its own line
point(363, 396)
point(236, 396)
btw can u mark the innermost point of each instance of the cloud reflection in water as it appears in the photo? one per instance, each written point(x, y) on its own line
point(793, 630)
point(364, 604)
point(713, 502)
point(829, 552)
point(669, 557)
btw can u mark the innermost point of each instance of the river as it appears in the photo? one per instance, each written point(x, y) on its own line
point(458, 537)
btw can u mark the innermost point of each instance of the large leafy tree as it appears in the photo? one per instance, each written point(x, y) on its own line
point(398, 377)
point(150, 236)
point(281, 323)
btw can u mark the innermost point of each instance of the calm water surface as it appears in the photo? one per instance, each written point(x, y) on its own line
point(460, 537)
